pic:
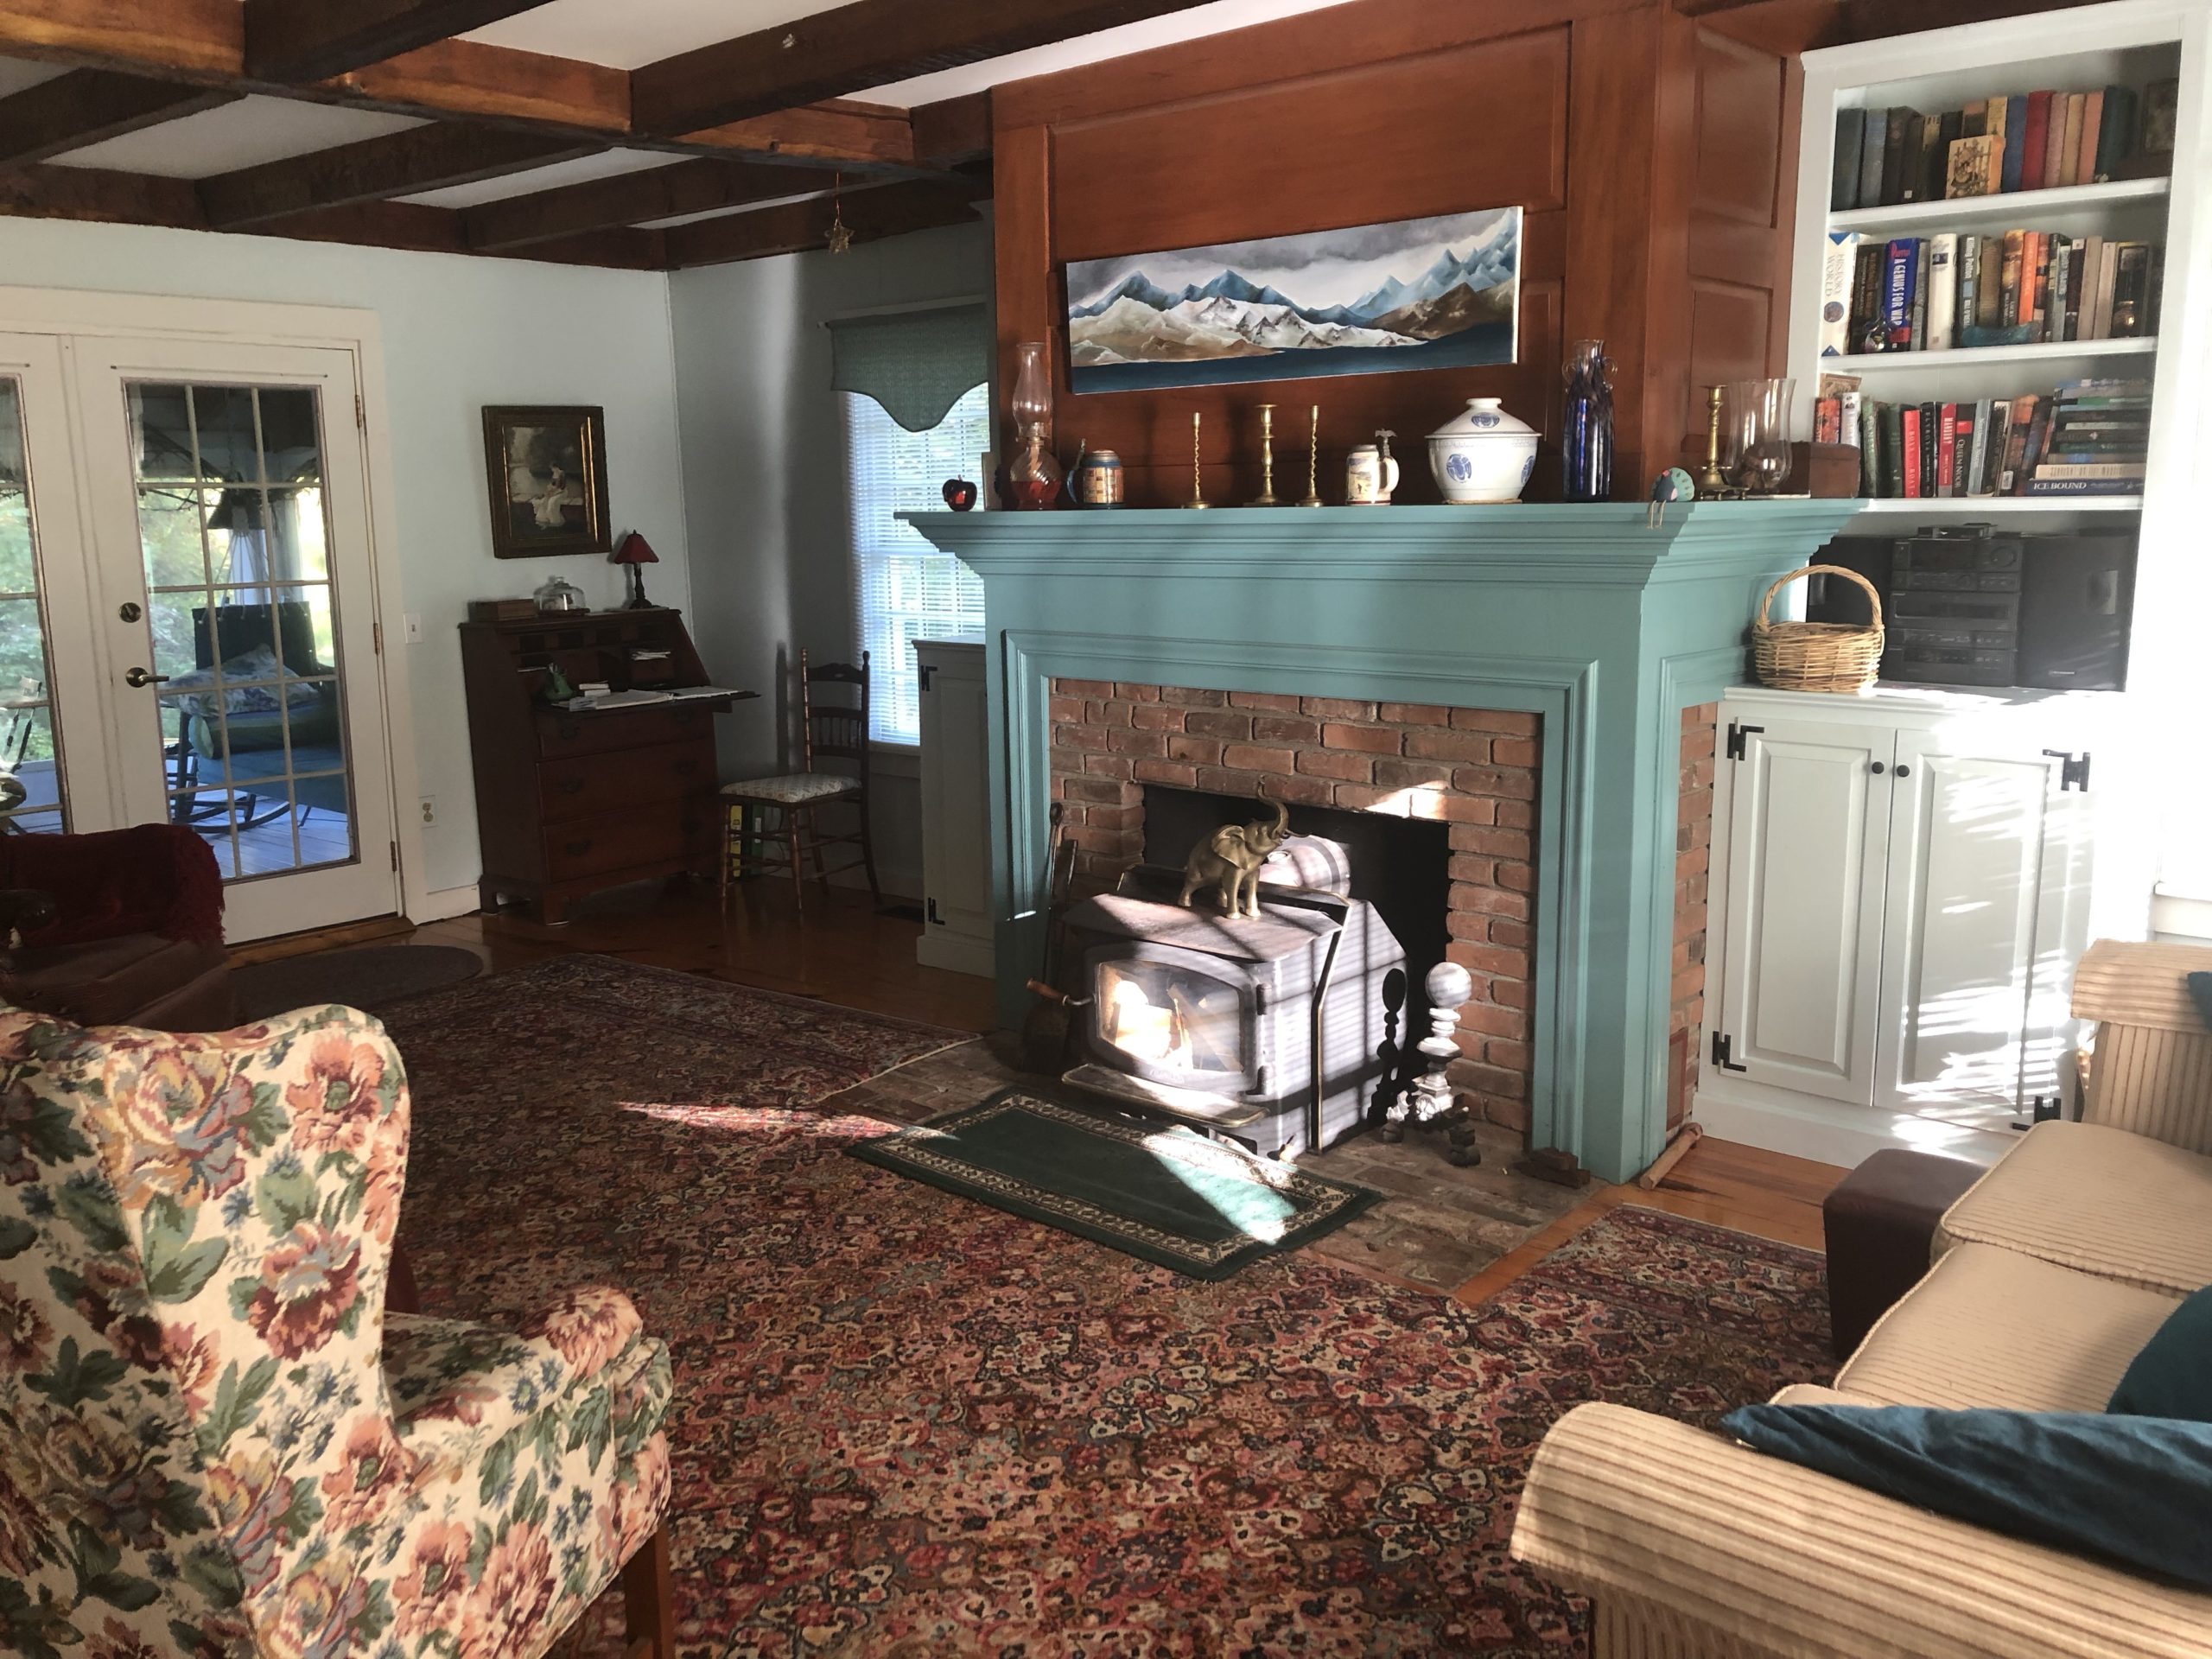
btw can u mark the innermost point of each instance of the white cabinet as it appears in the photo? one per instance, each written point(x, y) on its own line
point(1899, 893)
point(956, 806)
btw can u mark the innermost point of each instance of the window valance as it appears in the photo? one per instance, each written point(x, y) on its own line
point(916, 364)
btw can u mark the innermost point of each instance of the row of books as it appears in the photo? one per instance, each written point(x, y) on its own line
point(2020, 287)
point(2037, 142)
point(2084, 437)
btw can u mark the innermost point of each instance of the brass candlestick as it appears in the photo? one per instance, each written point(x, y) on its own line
point(1314, 463)
point(1198, 477)
point(1266, 495)
point(1712, 482)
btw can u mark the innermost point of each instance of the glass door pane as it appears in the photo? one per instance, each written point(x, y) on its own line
point(32, 796)
point(234, 533)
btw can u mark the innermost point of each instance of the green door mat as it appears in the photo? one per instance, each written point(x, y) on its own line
point(1159, 1191)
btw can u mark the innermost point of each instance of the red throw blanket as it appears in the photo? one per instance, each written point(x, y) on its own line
point(153, 878)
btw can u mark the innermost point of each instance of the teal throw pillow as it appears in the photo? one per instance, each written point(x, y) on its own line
point(2172, 1376)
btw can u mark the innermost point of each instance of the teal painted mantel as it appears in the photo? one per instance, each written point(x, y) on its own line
point(1605, 627)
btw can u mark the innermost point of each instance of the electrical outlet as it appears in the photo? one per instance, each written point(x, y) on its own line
point(429, 809)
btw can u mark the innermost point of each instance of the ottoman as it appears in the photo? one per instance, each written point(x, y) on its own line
point(1881, 1222)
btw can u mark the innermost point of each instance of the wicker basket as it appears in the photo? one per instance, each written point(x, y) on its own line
point(1817, 656)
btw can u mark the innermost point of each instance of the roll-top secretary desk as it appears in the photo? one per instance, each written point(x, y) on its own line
point(570, 801)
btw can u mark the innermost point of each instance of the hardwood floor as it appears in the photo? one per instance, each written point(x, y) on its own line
point(844, 952)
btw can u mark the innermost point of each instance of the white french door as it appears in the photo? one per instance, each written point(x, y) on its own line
point(204, 577)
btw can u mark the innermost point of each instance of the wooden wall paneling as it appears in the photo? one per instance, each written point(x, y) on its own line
point(1612, 169)
point(1347, 36)
point(1321, 149)
point(1026, 286)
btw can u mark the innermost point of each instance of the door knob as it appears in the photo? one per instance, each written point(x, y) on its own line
point(139, 677)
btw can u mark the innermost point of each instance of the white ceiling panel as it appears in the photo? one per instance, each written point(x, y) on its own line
point(641, 31)
point(244, 134)
point(724, 213)
point(607, 165)
point(1194, 24)
point(18, 74)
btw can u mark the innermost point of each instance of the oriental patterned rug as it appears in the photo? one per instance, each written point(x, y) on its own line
point(908, 1424)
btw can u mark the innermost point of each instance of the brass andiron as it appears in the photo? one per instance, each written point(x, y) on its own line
point(1198, 477)
point(1266, 495)
point(1712, 482)
point(1314, 463)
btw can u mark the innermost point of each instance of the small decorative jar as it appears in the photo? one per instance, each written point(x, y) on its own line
point(1097, 480)
point(1484, 457)
point(558, 596)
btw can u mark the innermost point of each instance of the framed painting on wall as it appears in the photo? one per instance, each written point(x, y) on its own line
point(1440, 292)
point(547, 470)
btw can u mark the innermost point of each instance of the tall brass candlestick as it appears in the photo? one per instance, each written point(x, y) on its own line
point(1198, 477)
point(1266, 495)
point(1314, 463)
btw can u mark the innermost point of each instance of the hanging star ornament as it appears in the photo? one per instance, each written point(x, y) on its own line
point(841, 235)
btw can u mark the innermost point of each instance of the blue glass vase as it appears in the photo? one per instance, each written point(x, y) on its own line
point(1586, 434)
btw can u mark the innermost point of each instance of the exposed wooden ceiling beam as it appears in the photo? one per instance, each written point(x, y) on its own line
point(186, 37)
point(314, 39)
point(397, 164)
point(204, 41)
point(802, 226)
point(88, 105)
point(695, 186)
point(953, 131)
point(852, 47)
point(101, 196)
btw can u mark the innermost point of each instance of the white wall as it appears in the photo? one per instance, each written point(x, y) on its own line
point(457, 334)
point(764, 472)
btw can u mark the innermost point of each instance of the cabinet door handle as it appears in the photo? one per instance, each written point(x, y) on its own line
point(572, 786)
point(1878, 768)
point(578, 849)
point(1904, 771)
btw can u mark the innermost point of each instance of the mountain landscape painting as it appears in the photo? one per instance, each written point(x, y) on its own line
point(1438, 293)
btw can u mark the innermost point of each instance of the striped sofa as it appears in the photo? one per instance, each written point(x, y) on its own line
point(2048, 1276)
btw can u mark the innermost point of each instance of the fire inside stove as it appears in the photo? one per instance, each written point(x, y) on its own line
point(1281, 1029)
point(1170, 1017)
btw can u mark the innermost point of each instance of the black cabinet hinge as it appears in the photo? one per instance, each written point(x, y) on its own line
point(927, 671)
point(935, 919)
point(1736, 733)
point(2073, 769)
point(1722, 1047)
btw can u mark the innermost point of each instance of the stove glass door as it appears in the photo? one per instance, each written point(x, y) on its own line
point(1178, 1018)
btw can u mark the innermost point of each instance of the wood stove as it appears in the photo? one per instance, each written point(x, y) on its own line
point(1284, 1031)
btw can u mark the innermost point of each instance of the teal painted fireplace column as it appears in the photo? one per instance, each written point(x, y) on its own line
point(1582, 614)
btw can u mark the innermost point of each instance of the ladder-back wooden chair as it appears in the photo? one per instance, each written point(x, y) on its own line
point(790, 832)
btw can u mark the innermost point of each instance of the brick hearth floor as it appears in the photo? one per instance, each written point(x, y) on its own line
point(1439, 1228)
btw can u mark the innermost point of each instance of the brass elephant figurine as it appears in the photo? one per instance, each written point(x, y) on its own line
point(1228, 861)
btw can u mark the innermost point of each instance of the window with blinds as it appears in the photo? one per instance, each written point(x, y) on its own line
point(908, 590)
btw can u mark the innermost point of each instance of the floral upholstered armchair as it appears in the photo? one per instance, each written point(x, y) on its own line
point(214, 1441)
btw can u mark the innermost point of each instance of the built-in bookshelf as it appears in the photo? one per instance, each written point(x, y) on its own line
point(1951, 88)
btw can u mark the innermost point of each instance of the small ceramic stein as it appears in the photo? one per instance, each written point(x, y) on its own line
point(1369, 478)
point(1097, 479)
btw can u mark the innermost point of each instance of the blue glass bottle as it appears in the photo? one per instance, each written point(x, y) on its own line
point(1586, 434)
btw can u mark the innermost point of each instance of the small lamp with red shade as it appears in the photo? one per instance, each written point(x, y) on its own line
point(633, 554)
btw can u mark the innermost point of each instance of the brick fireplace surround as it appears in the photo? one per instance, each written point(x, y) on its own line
point(1475, 769)
point(1471, 768)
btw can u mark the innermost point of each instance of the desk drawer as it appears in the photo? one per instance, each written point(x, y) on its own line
point(671, 832)
point(594, 783)
point(561, 734)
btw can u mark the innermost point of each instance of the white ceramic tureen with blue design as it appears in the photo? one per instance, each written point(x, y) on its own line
point(1483, 458)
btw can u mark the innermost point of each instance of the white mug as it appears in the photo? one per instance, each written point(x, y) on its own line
point(1369, 478)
